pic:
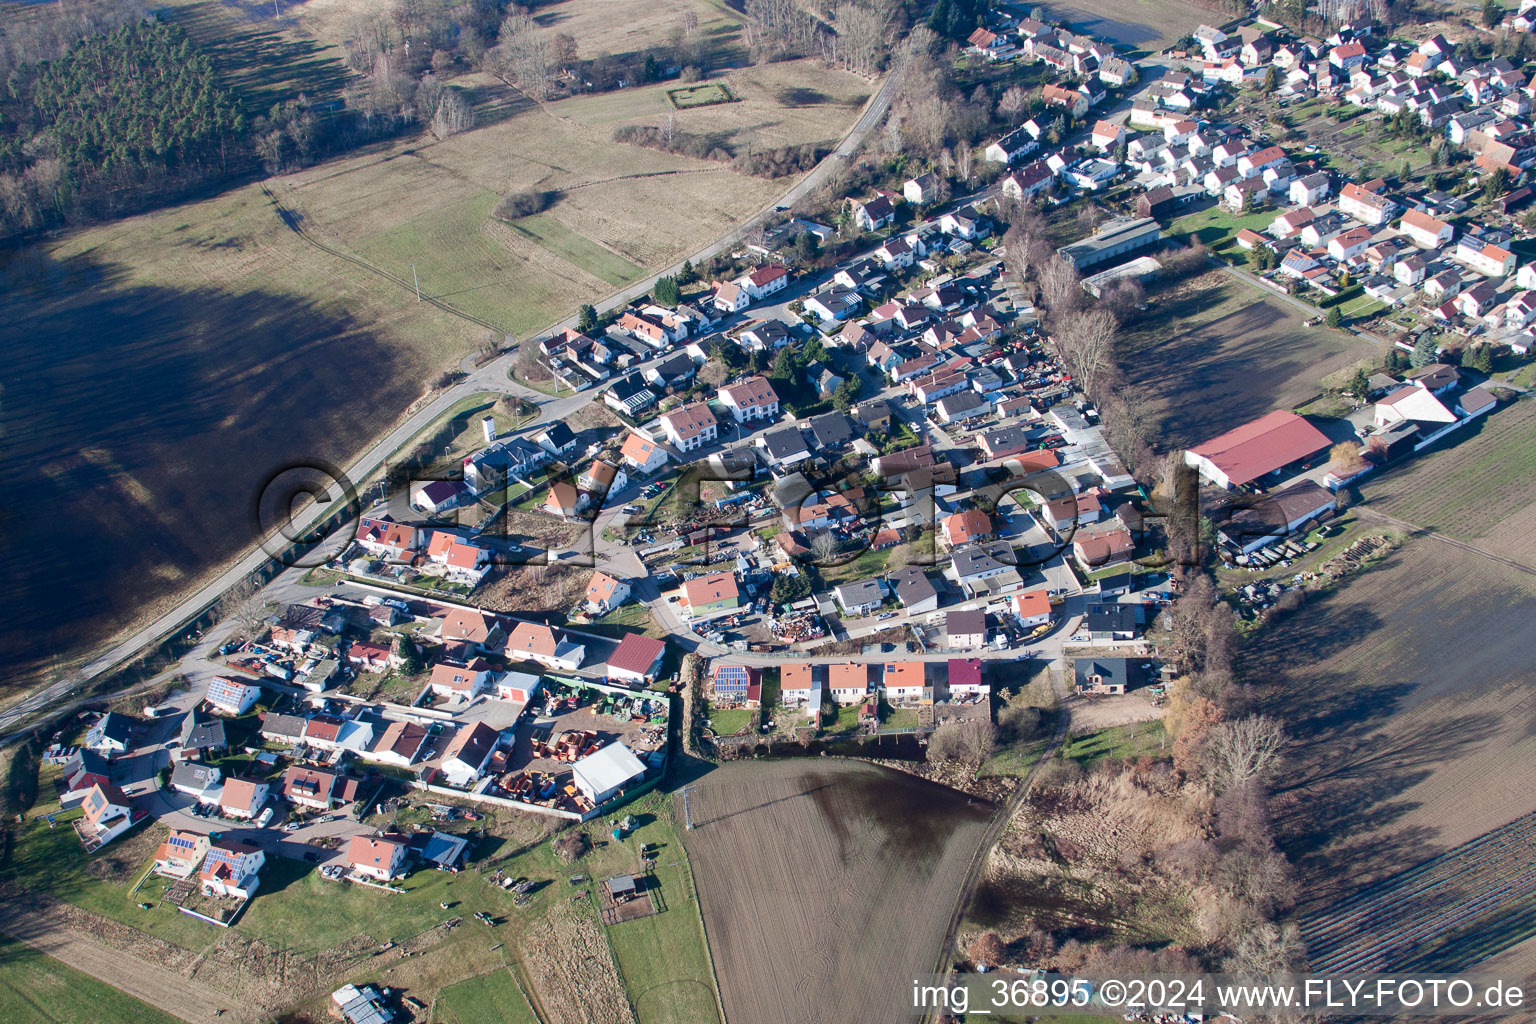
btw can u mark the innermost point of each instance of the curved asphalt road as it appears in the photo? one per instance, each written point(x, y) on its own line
point(494, 376)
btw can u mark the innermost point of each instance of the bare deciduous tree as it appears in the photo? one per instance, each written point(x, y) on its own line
point(1267, 949)
point(1061, 285)
point(824, 547)
point(969, 741)
point(861, 35)
point(1086, 340)
point(1248, 749)
point(243, 605)
point(1013, 101)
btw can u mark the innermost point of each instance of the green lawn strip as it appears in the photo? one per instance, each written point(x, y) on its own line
point(578, 250)
point(729, 721)
point(1119, 741)
point(483, 999)
point(37, 988)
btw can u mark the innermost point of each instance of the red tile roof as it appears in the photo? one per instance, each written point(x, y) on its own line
point(636, 654)
point(1263, 446)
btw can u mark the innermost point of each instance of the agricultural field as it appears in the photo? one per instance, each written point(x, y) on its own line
point(220, 327)
point(1214, 353)
point(37, 989)
point(853, 872)
point(1149, 25)
point(1478, 485)
point(1406, 693)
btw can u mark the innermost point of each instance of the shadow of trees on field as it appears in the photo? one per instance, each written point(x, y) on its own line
point(263, 64)
point(138, 422)
point(1350, 761)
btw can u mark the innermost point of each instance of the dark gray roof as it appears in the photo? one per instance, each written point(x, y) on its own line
point(1111, 618)
point(115, 727)
point(965, 621)
point(277, 726)
point(1111, 670)
point(194, 775)
point(975, 559)
point(830, 430)
point(859, 592)
point(912, 585)
point(558, 434)
point(785, 442)
point(202, 731)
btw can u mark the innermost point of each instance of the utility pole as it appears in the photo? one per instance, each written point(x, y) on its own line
point(415, 279)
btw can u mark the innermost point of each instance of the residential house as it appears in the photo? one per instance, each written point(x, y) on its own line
point(1070, 100)
point(966, 628)
point(914, 590)
point(460, 561)
point(108, 814)
point(460, 682)
point(1101, 676)
point(848, 683)
point(564, 500)
point(965, 527)
point(800, 686)
point(400, 743)
point(963, 679)
point(1310, 189)
point(711, 595)
point(904, 682)
point(557, 439)
point(1425, 231)
point(784, 447)
point(197, 780)
point(925, 188)
point(732, 684)
point(1032, 608)
point(1107, 135)
point(642, 454)
point(605, 593)
point(629, 395)
point(751, 399)
point(231, 869)
point(381, 858)
point(382, 537)
point(1366, 203)
point(308, 788)
point(537, 642)
point(472, 629)
point(601, 479)
point(201, 734)
point(1102, 544)
point(763, 282)
point(691, 426)
point(859, 598)
point(1484, 257)
point(111, 735)
point(243, 799)
point(180, 854)
point(873, 214)
point(465, 758)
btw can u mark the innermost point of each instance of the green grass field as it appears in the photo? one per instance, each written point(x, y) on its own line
point(729, 721)
point(1117, 742)
point(662, 957)
point(493, 998)
point(699, 95)
point(1216, 224)
point(37, 989)
point(576, 249)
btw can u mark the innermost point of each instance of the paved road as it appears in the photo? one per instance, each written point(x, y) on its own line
point(494, 376)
